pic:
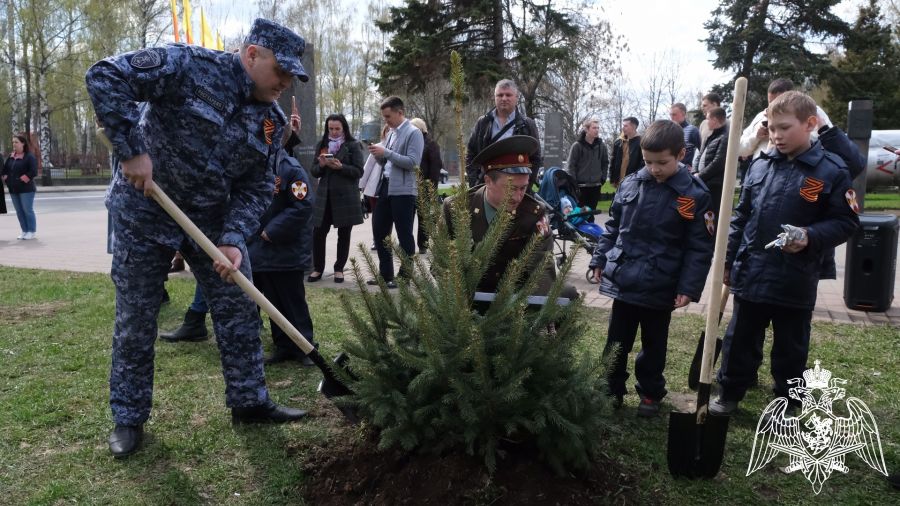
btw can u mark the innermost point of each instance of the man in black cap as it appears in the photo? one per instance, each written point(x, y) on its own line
point(507, 164)
point(204, 125)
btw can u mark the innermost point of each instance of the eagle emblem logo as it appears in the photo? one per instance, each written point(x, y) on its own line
point(816, 440)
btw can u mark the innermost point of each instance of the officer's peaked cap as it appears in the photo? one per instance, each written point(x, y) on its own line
point(511, 155)
point(287, 45)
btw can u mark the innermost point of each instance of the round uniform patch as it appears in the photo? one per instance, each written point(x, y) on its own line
point(299, 189)
point(146, 59)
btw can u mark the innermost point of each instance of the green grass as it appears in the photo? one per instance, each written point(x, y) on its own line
point(55, 330)
point(888, 200)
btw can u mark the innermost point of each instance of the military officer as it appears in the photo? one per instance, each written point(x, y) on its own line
point(507, 162)
point(200, 123)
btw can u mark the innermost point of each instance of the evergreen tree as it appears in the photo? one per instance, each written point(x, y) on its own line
point(763, 40)
point(868, 68)
point(433, 373)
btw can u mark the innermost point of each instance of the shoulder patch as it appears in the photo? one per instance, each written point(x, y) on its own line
point(299, 189)
point(686, 207)
point(710, 218)
point(543, 227)
point(147, 59)
point(208, 97)
point(851, 200)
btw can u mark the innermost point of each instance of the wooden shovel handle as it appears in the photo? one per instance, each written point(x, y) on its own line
point(718, 262)
point(185, 223)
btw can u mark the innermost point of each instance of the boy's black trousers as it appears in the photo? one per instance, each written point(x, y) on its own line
point(651, 360)
point(742, 351)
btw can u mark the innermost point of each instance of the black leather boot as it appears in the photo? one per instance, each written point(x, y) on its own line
point(266, 413)
point(193, 329)
point(125, 440)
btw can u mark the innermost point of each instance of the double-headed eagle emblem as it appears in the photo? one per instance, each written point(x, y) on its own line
point(817, 440)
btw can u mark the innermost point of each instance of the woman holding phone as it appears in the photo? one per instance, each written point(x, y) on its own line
point(339, 165)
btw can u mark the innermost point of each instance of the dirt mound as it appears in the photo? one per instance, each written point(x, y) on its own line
point(363, 475)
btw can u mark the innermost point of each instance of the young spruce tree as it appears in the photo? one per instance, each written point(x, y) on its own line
point(434, 374)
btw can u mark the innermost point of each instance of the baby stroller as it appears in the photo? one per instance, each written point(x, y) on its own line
point(559, 191)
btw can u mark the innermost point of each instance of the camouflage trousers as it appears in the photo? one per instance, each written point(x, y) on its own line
point(140, 267)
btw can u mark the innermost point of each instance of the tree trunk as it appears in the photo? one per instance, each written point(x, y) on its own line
point(13, 82)
point(756, 25)
point(27, 69)
point(44, 128)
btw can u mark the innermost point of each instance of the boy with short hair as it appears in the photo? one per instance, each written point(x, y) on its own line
point(652, 258)
point(798, 183)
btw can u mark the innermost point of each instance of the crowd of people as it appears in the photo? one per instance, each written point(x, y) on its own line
point(237, 180)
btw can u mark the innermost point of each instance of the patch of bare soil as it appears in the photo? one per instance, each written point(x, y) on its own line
point(21, 314)
point(360, 474)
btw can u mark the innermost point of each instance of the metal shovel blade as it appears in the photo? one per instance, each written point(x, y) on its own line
point(696, 450)
point(331, 386)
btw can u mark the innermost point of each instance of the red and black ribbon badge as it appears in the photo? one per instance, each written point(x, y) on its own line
point(277, 184)
point(811, 189)
point(686, 207)
point(268, 129)
point(851, 200)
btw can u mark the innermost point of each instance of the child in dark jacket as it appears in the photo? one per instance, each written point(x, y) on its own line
point(800, 184)
point(653, 257)
point(280, 251)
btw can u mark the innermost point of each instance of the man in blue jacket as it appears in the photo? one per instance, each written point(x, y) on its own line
point(280, 251)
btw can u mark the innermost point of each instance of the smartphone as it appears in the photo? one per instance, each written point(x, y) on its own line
point(890, 148)
point(294, 109)
point(328, 156)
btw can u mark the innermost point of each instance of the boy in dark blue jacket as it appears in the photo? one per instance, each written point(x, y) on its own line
point(801, 184)
point(281, 250)
point(653, 258)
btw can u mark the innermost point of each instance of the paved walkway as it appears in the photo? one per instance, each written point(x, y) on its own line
point(76, 241)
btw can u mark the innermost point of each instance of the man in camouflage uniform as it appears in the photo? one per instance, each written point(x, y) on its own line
point(201, 124)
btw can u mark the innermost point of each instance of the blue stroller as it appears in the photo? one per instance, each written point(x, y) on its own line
point(559, 191)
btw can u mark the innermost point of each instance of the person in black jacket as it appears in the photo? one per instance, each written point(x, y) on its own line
point(503, 121)
point(279, 253)
point(430, 167)
point(797, 183)
point(628, 161)
point(652, 258)
point(19, 172)
point(338, 165)
point(711, 165)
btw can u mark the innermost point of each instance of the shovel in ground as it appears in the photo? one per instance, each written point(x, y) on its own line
point(696, 442)
point(694, 373)
point(330, 386)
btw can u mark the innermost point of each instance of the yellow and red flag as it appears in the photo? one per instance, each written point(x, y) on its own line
point(174, 19)
point(188, 31)
point(206, 38)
